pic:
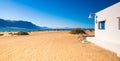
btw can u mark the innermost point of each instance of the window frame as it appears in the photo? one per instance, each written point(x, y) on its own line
point(119, 23)
point(100, 25)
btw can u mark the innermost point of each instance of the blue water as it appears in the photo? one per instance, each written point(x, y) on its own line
point(26, 30)
point(15, 29)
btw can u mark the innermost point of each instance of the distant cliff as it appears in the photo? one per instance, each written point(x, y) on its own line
point(18, 24)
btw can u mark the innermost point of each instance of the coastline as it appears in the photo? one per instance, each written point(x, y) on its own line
point(51, 46)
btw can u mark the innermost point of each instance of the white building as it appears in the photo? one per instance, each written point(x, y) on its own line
point(107, 28)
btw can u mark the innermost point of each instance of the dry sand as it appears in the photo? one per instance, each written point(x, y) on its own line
point(51, 46)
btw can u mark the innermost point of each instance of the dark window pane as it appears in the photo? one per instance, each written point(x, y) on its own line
point(101, 25)
point(118, 22)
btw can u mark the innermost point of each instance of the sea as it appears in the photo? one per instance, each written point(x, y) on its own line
point(28, 30)
point(14, 29)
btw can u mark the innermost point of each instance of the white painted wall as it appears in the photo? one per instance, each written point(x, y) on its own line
point(110, 37)
point(112, 32)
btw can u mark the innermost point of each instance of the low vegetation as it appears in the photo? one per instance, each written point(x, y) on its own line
point(22, 33)
point(19, 33)
point(77, 31)
point(1, 34)
point(11, 33)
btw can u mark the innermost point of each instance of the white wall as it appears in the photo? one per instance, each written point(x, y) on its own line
point(111, 34)
point(112, 31)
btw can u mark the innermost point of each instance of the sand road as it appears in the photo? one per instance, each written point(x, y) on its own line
point(51, 46)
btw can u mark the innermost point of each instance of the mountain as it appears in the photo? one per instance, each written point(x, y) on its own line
point(18, 24)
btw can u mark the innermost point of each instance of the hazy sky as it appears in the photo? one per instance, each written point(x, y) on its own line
point(53, 13)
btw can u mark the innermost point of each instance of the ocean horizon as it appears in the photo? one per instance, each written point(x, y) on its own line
point(28, 30)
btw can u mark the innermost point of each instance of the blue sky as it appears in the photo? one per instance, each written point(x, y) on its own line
point(53, 13)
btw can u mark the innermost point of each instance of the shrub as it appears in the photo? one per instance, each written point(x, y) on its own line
point(77, 31)
point(22, 33)
point(1, 34)
point(10, 33)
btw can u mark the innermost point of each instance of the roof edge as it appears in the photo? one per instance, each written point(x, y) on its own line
point(108, 7)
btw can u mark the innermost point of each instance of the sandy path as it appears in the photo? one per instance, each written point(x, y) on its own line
point(51, 46)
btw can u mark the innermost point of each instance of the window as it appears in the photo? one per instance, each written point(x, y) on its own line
point(101, 25)
point(119, 23)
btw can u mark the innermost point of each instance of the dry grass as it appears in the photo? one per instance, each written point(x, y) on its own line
point(1, 34)
point(51, 46)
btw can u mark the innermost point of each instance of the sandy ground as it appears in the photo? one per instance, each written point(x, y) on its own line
point(51, 46)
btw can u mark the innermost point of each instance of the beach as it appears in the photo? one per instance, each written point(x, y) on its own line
point(51, 46)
